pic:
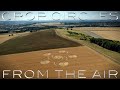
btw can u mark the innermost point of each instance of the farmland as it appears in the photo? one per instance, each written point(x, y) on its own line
point(88, 31)
point(42, 40)
point(112, 33)
point(55, 50)
point(78, 58)
point(5, 37)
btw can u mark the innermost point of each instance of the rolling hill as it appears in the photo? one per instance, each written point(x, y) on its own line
point(41, 40)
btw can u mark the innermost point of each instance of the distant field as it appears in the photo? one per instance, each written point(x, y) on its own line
point(42, 40)
point(97, 28)
point(112, 33)
point(5, 37)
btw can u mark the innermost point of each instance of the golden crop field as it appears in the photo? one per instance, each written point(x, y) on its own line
point(112, 33)
point(69, 61)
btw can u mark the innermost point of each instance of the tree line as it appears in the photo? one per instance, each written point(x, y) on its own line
point(105, 43)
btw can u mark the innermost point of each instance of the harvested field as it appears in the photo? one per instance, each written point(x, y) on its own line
point(5, 37)
point(113, 35)
point(98, 28)
point(42, 40)
point(72, 59)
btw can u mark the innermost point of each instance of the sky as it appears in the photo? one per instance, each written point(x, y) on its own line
point(58, 15)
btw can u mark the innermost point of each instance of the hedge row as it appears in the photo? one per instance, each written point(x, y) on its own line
point(82, 36)
point(73, 33)
point(106, 43)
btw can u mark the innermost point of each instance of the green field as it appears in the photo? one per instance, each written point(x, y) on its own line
point(42, 40)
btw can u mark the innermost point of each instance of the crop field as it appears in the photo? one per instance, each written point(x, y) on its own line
point(50, 51)
point(112, 33)
point(42, 40)
point(69, 59)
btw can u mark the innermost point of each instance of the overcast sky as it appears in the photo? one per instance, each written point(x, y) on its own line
point(58, 15)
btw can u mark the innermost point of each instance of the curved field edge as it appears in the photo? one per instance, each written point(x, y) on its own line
point(42, 40)
point(114, 56)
